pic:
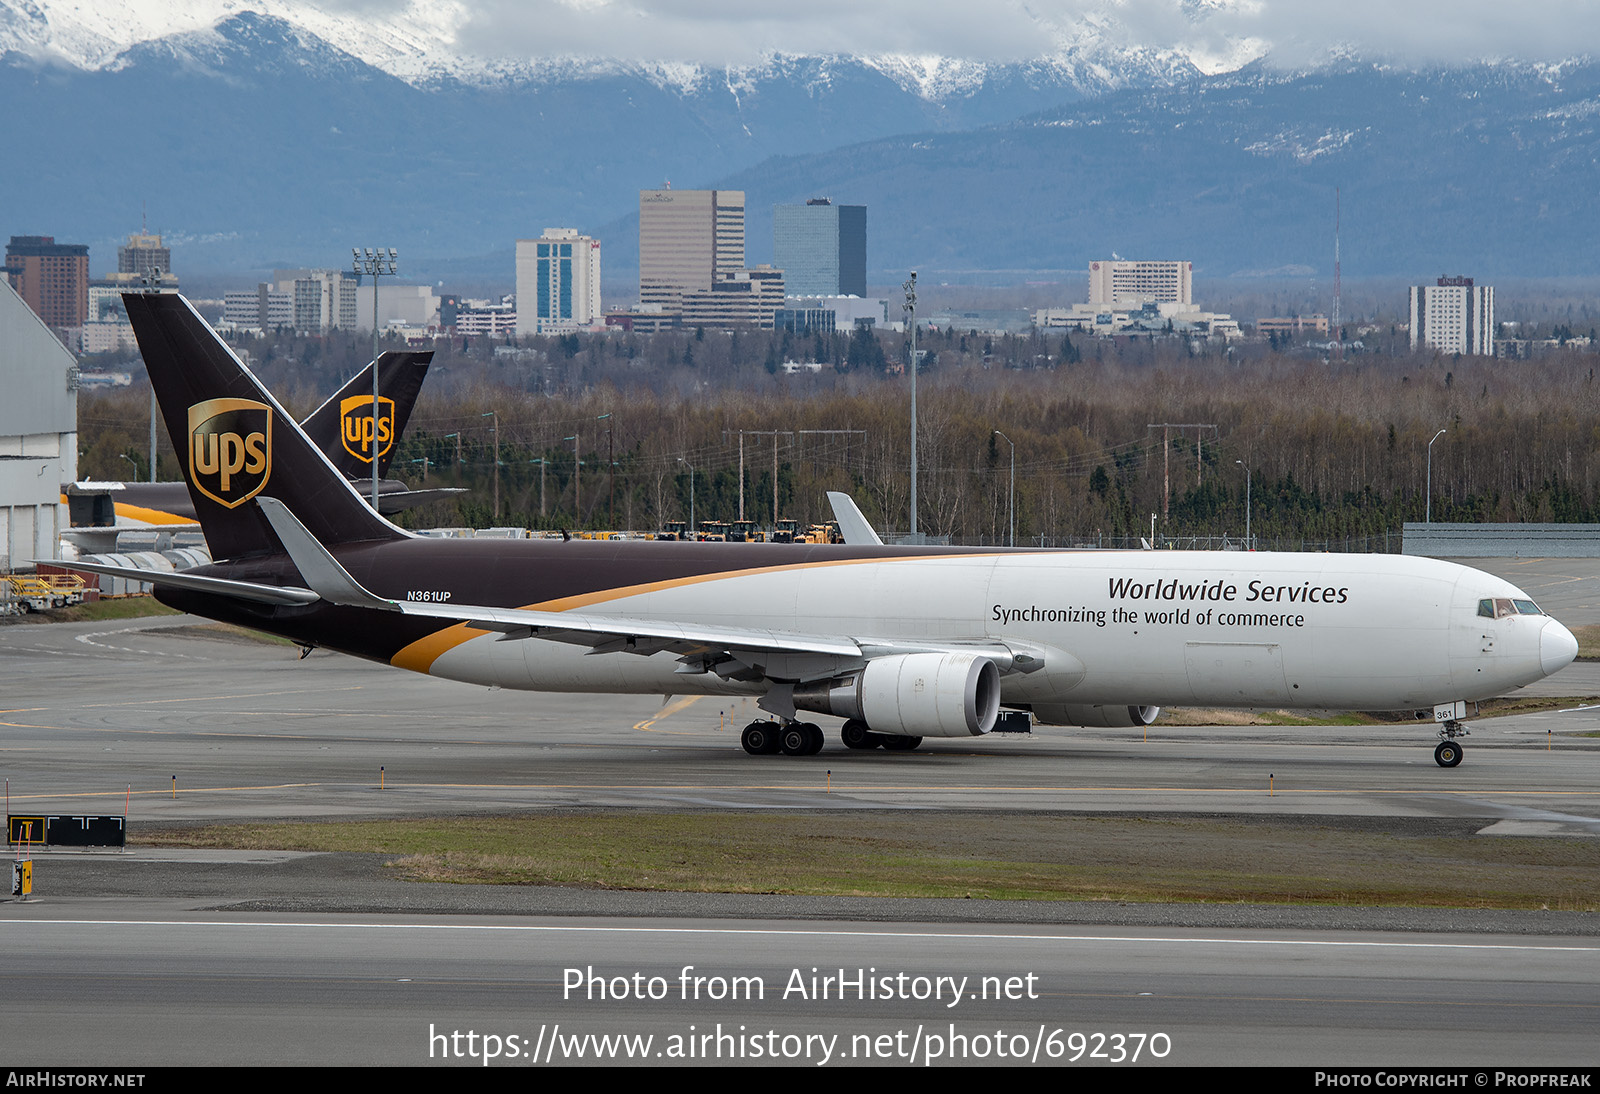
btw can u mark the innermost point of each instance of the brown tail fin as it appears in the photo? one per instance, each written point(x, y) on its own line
point(236, 442)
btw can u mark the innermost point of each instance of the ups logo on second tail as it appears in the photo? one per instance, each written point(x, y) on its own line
point(355, 426)
point(230, 449)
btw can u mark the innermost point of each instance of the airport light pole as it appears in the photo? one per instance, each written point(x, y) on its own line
point(376, 263)
point(1428, 505)
point(1248, 545)
point(910, 287)
point(1011, 501)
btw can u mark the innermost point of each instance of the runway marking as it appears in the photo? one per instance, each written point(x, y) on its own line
point(791, 932)
point(223, 698)
point(165, 791)
point(667, 712)
point(902, 789)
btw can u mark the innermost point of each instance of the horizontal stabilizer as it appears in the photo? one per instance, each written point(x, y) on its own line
point(218, 586)
point(398, 500)
point(316, 565)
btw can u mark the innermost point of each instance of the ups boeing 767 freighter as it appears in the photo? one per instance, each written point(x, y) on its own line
point(904, 643)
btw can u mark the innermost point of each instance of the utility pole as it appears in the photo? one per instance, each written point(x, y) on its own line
point(1011, 503)
point(1166, 453)
point(1248, 546)
point(910, 287)
point(541, 461)
point(377, 264)
point(495, 414)
point(690, 466)
point(1428, 512)
point(577, 477)
point(774, 434)
point(611, 474)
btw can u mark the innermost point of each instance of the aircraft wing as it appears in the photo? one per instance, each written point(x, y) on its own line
point(753, 652)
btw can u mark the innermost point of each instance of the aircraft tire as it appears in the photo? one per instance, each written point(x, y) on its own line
point(855, 734)
point(896, 743)
point(794, 740)
point(815, 738)
point(759, 738)
point(1448, 754)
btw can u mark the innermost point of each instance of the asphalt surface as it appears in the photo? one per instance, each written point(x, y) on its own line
point(270, 957)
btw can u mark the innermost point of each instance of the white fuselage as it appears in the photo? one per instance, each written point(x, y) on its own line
point(1369, 632)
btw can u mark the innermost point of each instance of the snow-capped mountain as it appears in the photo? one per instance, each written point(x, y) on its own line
point(268, 134)
point(423, 41)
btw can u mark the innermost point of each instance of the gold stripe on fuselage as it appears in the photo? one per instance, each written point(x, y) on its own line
point(150, 516)
point(420, 655)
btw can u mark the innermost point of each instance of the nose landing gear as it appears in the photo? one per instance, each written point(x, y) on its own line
point(1449, 751)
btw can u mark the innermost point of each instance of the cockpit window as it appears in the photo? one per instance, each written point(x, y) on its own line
point(1502, 608)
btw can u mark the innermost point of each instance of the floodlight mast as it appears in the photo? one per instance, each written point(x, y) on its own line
point(377, 263)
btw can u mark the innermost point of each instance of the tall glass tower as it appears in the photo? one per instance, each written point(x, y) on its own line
point(821, 248)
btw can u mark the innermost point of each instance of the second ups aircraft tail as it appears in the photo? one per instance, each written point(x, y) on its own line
point(235, 441)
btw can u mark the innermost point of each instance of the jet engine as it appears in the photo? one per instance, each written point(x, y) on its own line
point(1095, 717)
point(913, 695)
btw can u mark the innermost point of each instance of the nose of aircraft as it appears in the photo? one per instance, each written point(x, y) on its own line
point(1557, 647)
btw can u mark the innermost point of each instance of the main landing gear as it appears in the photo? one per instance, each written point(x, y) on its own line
point(805, 738)
point(855, 734)
point(792, 738)
point(1449, 751)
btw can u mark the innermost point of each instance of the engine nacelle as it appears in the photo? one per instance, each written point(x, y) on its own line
point(1095, 717)
point(913, 695)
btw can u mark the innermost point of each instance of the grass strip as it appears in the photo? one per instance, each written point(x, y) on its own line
point(113, 608)
point(988, 856)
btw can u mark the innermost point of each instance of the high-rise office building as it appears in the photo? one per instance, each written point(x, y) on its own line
point(1120, 281)
point(736, 298)
point(686, 238)
point(53, 278)
point(323, 300)
point(1453, 316)
point(821, 248)
point(558, 282)
point(143, 255)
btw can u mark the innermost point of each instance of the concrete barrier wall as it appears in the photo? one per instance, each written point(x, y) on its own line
point(1502, 540)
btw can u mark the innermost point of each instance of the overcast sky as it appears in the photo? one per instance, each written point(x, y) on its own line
point(1293, 31)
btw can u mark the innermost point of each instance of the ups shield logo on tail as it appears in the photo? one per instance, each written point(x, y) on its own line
point(355, 426)
point(230, 449)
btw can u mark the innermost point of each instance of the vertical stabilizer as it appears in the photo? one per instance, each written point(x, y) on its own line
point(235, 442)
point(343, 427)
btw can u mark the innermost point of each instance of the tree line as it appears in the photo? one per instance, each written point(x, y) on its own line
point(603, 431)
